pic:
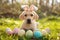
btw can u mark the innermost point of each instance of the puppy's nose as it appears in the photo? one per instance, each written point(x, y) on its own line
point(29, 21)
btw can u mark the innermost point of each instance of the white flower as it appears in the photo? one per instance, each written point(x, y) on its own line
point(44, 32)
point(47, 30)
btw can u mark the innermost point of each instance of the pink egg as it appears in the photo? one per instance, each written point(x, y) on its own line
point(9, 31)
point(16, 30)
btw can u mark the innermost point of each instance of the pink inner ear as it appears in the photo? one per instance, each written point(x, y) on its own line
point(25, 9)
point(32, 8)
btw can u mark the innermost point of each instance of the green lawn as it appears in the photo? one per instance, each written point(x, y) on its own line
point(52, 22)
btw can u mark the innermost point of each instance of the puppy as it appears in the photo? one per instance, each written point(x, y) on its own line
point(29, 17)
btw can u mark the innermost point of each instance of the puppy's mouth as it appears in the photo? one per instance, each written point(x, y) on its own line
point(28, 21)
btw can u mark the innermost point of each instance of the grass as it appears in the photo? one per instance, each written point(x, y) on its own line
point(52, 22)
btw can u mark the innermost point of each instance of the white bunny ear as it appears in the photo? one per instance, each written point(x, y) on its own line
point(25, 7)
point(22, 6)
point(33, 8)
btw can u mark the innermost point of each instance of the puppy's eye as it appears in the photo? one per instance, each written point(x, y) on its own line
point(31, 14)
point(25, 15)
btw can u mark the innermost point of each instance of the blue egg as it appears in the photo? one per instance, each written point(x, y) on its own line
point(37, 34)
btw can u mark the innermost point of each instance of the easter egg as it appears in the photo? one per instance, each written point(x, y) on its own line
point(29, 34)
point(37, 34)
point(16, 30)
point(21, 33)
point(9, 31)
point(44, 32)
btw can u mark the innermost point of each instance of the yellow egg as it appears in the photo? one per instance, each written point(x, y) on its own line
point(21, 33)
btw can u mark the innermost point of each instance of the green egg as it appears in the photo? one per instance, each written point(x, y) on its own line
point(29, 34)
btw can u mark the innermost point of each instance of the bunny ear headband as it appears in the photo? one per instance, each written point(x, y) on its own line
point(31, 8)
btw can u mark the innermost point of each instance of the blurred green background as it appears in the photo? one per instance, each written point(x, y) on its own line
point(48, 11)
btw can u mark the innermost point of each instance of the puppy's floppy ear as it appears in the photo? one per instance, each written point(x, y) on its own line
point(21, 16)
point(36, 17)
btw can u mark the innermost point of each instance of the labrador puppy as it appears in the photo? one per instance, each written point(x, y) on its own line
point(29, 17)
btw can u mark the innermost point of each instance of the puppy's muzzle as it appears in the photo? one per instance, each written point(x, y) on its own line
point(28, 21)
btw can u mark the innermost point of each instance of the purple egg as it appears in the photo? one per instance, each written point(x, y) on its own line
point(9, 31)
point(16, 30)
